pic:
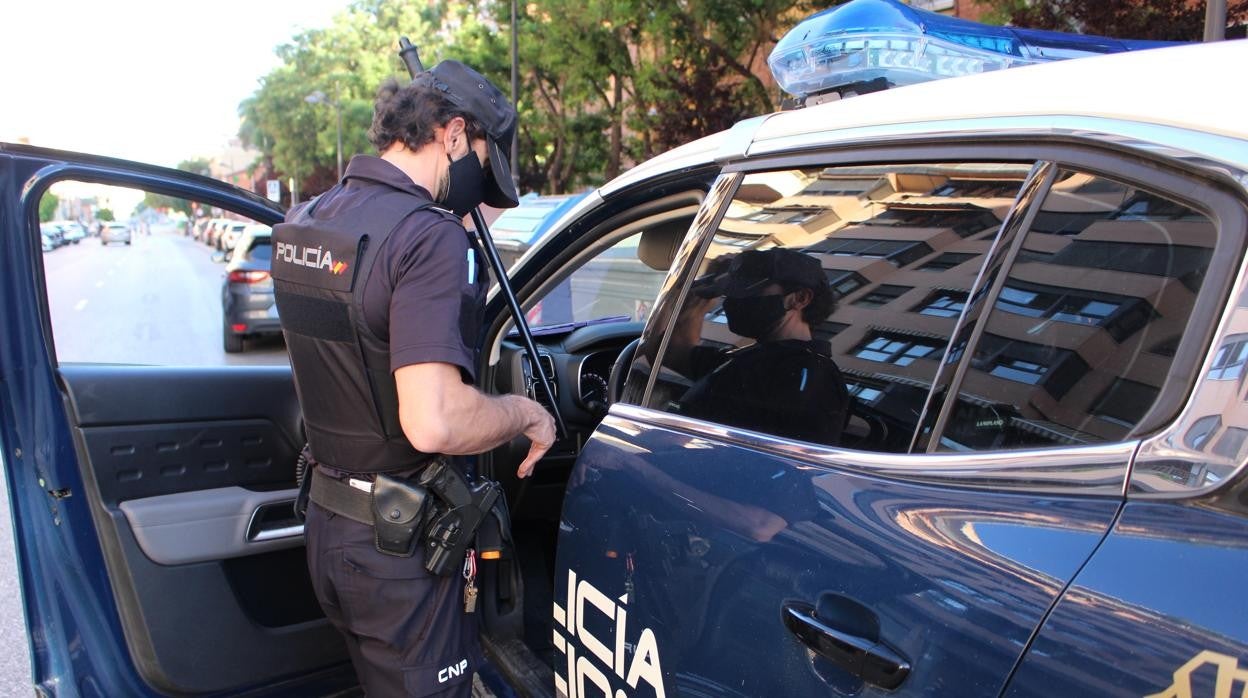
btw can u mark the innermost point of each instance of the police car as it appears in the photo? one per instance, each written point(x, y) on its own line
point(1042, 319)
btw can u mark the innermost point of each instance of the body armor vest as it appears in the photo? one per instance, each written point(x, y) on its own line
point(341, 368)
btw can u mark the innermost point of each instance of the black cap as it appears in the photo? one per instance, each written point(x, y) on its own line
point(752, 270)
point(470, 91)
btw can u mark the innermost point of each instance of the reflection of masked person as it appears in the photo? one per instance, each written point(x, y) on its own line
point(786, 383)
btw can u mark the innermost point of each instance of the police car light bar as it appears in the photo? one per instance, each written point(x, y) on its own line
point(869, 45)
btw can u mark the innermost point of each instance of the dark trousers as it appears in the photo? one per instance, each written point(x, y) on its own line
point(406, 630)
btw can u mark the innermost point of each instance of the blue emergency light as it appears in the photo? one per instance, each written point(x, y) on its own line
point(869, 45)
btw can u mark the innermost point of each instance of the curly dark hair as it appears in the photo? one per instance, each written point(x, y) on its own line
point(822, 302)
point(409, 113)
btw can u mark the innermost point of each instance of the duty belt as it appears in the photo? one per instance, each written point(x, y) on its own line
point(341, 498)
point(399, 511)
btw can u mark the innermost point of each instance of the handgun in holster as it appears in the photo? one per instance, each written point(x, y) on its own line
point(455, 524)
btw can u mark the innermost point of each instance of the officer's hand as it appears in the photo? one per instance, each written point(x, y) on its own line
point(541, 436)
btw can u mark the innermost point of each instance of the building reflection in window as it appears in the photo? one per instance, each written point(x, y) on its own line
point(900, 245)
point(1085, 327)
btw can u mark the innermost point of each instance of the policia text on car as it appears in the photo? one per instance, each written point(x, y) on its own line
point(382, 339)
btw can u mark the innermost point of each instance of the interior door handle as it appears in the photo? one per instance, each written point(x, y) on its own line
point(864, 657)
point(272, 521)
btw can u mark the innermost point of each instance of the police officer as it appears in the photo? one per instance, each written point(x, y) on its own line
point(380, 290)
point(786, 383)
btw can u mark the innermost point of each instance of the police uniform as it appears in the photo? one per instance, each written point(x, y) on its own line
point(790, 388)
point(371, 277)
point(786, 387)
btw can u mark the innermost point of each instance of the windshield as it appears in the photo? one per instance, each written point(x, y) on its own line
point(614, 285)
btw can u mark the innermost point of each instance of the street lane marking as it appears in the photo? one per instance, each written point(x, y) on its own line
point(80, 304)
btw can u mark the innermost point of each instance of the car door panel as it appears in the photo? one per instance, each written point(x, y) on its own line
point(182, 468)
point(176, 529)
point(233, 613)
point(701, 543)
point(1156, 612)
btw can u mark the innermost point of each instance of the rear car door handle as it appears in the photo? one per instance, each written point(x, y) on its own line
point(864, 657)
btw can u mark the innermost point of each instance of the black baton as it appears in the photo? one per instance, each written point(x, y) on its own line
point(411, 59)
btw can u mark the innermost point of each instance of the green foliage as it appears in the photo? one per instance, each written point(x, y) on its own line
point(47, 206)
point(346, 61)
point(199, 166)
point(1162, 20)
point(105, 214)
point(604, 83)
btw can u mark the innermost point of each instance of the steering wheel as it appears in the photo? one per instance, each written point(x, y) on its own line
point(619, 371)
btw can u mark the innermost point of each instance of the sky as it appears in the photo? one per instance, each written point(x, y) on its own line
point(155, 81)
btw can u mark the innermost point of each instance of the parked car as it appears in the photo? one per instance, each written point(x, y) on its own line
point(46, 242)
point(516, 229)
point(114, 232)
point(54, 233)
point(210, 235)
point(247, 296)
point(1040, 325)
point(211, 232)
point(229, 235)
point(72, 232)
point(199, 228)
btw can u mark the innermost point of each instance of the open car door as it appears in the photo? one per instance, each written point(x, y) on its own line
point(150, 478)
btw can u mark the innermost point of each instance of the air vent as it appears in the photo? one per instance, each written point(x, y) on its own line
point(534, 389)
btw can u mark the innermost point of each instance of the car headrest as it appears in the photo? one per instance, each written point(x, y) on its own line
point(659, 243)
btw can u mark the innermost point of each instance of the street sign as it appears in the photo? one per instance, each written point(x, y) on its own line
point(274, 189)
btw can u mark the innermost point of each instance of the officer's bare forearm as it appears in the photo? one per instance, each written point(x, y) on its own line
point(441, 414)
point(479, 423)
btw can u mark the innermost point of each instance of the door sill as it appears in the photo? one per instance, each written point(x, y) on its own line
point(528, 675)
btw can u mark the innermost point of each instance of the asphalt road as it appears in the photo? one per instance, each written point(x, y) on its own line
point(14, 643)
point(156, 301)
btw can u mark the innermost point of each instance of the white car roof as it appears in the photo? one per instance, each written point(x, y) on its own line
point(1182, 87)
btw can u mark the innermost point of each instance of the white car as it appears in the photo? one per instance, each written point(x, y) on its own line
point(73, 230)
point(115, 232)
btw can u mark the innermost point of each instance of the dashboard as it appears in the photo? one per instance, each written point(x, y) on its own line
point(579, 362)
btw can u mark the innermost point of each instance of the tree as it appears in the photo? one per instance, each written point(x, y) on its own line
point(604, 83)
point(346, 61)
point(199, 166)
point(48, 206)
point(609, 82)
point(1162, 20)
point(104, 214)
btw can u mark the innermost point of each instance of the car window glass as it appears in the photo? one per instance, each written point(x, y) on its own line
point(148, 282)
point(896, 250)
point(1083, 330)
point(613, 284)
point(261, 251)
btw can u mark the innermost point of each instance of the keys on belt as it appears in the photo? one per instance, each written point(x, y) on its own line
point(470, 581)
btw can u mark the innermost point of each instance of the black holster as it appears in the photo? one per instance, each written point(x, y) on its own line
point(398, 515)
point(455, 522)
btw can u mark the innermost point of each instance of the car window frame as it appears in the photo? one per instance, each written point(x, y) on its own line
point(1094, 469)
point(132, 175)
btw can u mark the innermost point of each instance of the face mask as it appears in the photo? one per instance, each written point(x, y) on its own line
point(464, 187)
point(756, 316)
